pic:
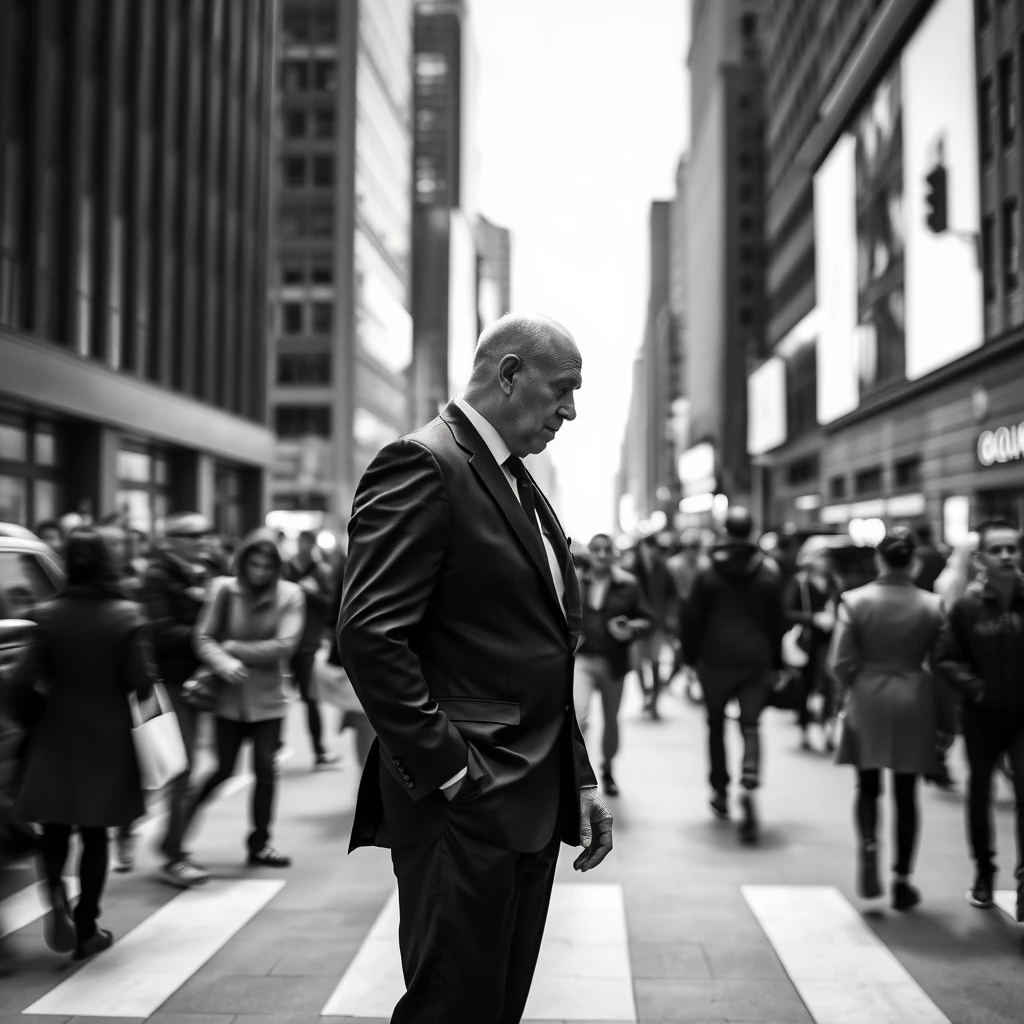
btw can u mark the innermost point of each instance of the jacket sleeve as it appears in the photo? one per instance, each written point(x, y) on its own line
point(138, 673)
point(207, 649)
point(953, 660)
point(794, 605)
point(640, 609)
point(844, 651)
point(945, 698)
point(281, 646)
point(398, 538)
point(694, 619)
point(167, 636)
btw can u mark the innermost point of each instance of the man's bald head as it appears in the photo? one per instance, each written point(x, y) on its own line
point(525, 371)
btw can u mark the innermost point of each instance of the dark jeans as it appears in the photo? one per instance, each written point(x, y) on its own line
point(266, 737)
point(179, 790)
point(750, 688)
point(987, 736)
point(302, 666)
point(869, 788)
point(92, 869)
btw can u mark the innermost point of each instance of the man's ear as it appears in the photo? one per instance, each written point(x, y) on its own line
point(509, 366)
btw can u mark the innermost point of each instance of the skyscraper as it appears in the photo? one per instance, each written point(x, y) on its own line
point(133, 233)
point(343, 330)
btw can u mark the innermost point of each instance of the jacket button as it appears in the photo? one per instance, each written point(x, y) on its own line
point(411, 784)
point(566, 709)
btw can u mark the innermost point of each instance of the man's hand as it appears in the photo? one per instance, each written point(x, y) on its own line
point(620, 628)
point(453, 790)
point(309, 585)
point(595, 830)
point(236, 673)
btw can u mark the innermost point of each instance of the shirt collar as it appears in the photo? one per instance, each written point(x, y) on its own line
point(495, 445)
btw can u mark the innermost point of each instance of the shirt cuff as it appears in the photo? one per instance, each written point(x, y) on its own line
point(454, 778)
point(593, 785)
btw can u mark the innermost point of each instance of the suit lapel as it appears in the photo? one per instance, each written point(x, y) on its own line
point(560, 543)
point(491, 476)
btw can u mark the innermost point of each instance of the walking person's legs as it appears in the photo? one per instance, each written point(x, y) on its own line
point(984, 745)
point(58, 927)
point(716, 697)
point(752, 698)
point(92, 875)
point(266, 736)
point(610, 687)
point(179, 869)
point(904, 788)
point(869, 788)
point(303, 668)
point(229, 736)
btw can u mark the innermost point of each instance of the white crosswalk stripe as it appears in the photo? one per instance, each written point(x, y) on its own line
point(583, 972)
point(843, 972)
point(146, 967)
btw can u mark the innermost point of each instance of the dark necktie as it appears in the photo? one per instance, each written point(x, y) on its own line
point(524, 486)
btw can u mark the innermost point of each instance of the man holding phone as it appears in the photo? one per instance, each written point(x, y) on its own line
point(615, 613)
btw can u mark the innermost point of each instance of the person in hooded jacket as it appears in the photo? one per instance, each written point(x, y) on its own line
point(732, 626)
point(246, 634)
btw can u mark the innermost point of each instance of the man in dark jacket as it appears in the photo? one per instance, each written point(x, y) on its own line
point(615, 613)
point(733, 625)
point(982, 656)
point(658, 589)
point(173, 595)
point(930, 560)
point(314, 578)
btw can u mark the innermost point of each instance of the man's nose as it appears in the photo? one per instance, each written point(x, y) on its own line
point(568, 409)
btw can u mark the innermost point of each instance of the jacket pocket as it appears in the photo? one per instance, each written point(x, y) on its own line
point(467, 709)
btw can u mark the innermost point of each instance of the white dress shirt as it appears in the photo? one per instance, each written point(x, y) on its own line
point(499, 450)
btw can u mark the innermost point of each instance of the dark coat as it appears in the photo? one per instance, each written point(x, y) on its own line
point(735, 618)
point(90, 651)
point(930, 561)
point(659, 589)
point(318, 605)
point(623, 597)
point(454, 639)
point(173, 595)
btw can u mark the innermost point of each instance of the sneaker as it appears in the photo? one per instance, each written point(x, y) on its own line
point(720, 804)
point(869, 887)
point(748, 824)
point(904, 896)
point(325, 760)
point(124, 853)
point(58, 926)
point(980, 895)
point(96, 943)
point(268, 857)
point(184, 874)
point(608, 783)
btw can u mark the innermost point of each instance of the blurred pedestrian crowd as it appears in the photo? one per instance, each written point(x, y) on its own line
point(220, 634)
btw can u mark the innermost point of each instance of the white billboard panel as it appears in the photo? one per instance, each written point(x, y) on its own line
point(944, 303)
point(766, 407)
point(835, 267)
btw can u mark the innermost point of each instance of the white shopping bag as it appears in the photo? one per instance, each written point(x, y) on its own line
point(158, 742)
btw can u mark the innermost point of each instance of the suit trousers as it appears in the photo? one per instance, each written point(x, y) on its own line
point(472, 919)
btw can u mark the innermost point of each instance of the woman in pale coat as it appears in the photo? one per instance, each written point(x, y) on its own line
point(886, 632)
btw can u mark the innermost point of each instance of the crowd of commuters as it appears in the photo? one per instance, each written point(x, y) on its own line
point(892, 671)
point(225, 631)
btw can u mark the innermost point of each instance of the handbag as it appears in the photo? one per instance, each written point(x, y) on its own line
point(794, 644)
point(159, 745)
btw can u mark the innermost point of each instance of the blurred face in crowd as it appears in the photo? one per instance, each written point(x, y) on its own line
point(53, 539)
point(189, 547)
point(602, 555)
point(999, 552)
point(259, 568)
point(820, 564)
point(306, 546)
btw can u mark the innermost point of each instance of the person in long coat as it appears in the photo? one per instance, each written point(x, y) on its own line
point(895, 715)
point(82, 773)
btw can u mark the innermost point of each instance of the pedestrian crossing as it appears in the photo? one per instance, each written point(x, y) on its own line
point(840, 968)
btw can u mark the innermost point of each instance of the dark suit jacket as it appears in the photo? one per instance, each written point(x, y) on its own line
point(453, 637)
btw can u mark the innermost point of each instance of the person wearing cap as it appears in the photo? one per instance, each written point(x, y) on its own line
point(173, 593)
point(733, 626)
point(886, 633)
point(982, 657)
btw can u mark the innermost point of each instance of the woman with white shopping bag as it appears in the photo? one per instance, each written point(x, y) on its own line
point(82, 774)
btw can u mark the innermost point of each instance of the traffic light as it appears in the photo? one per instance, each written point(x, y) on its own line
point(936, 200)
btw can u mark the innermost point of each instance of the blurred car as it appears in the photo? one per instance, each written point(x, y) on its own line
point(16, 531)
point(853, 564)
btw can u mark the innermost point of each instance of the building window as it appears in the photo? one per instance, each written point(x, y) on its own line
point(143, 485)
point(988, 118)
point(868, 481)
point(324, 27)
point(988, 255)
point(294, 171)
point(323, 171)
point(325, 75)
point(295, 124)
point(802, 391)
point(1011, 244)
point(291, 317)
point(295, 25)
point(838, 487)
point(323, 317)
point(295, 76)
point(803, 471)
point(228, 501)
point(295, 421)
point(1007, 98)
point(321, 222)
point(748, 25)
point(907, 472)
point(746, 316)
point(292, 223)
point(323, 124)
point(31, 471)
point(304, 368)
point(292, 272)
point(322, 271)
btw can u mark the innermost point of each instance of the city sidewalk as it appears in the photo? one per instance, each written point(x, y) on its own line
point(696, 951)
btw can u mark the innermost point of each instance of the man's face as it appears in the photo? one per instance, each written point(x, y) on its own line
point(601, 555)
point(259, 569)
point(306, 545)
point(542, 397)
point(999, 553)
point(189, 548)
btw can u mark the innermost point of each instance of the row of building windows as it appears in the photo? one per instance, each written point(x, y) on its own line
point(310, 124)
point(295, 421)
point(300, 171)
point(317, 24)
point(314, 221)
point(1009, 232)
point(307, 318)
point(1000, 104)
point(304, 368)
point(309, 75)
point(300, 269)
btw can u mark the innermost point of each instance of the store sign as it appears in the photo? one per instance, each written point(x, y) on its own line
point(1004, 444)
point(766, 407)
point(696, 467)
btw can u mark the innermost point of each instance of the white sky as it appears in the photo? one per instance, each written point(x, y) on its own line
point(582, 114)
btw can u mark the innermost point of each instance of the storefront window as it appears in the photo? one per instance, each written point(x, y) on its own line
point(45, 445)
point(13, 443)
point(143, 481)
point(30, 471)
point(13, 500)
point(228, 501)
